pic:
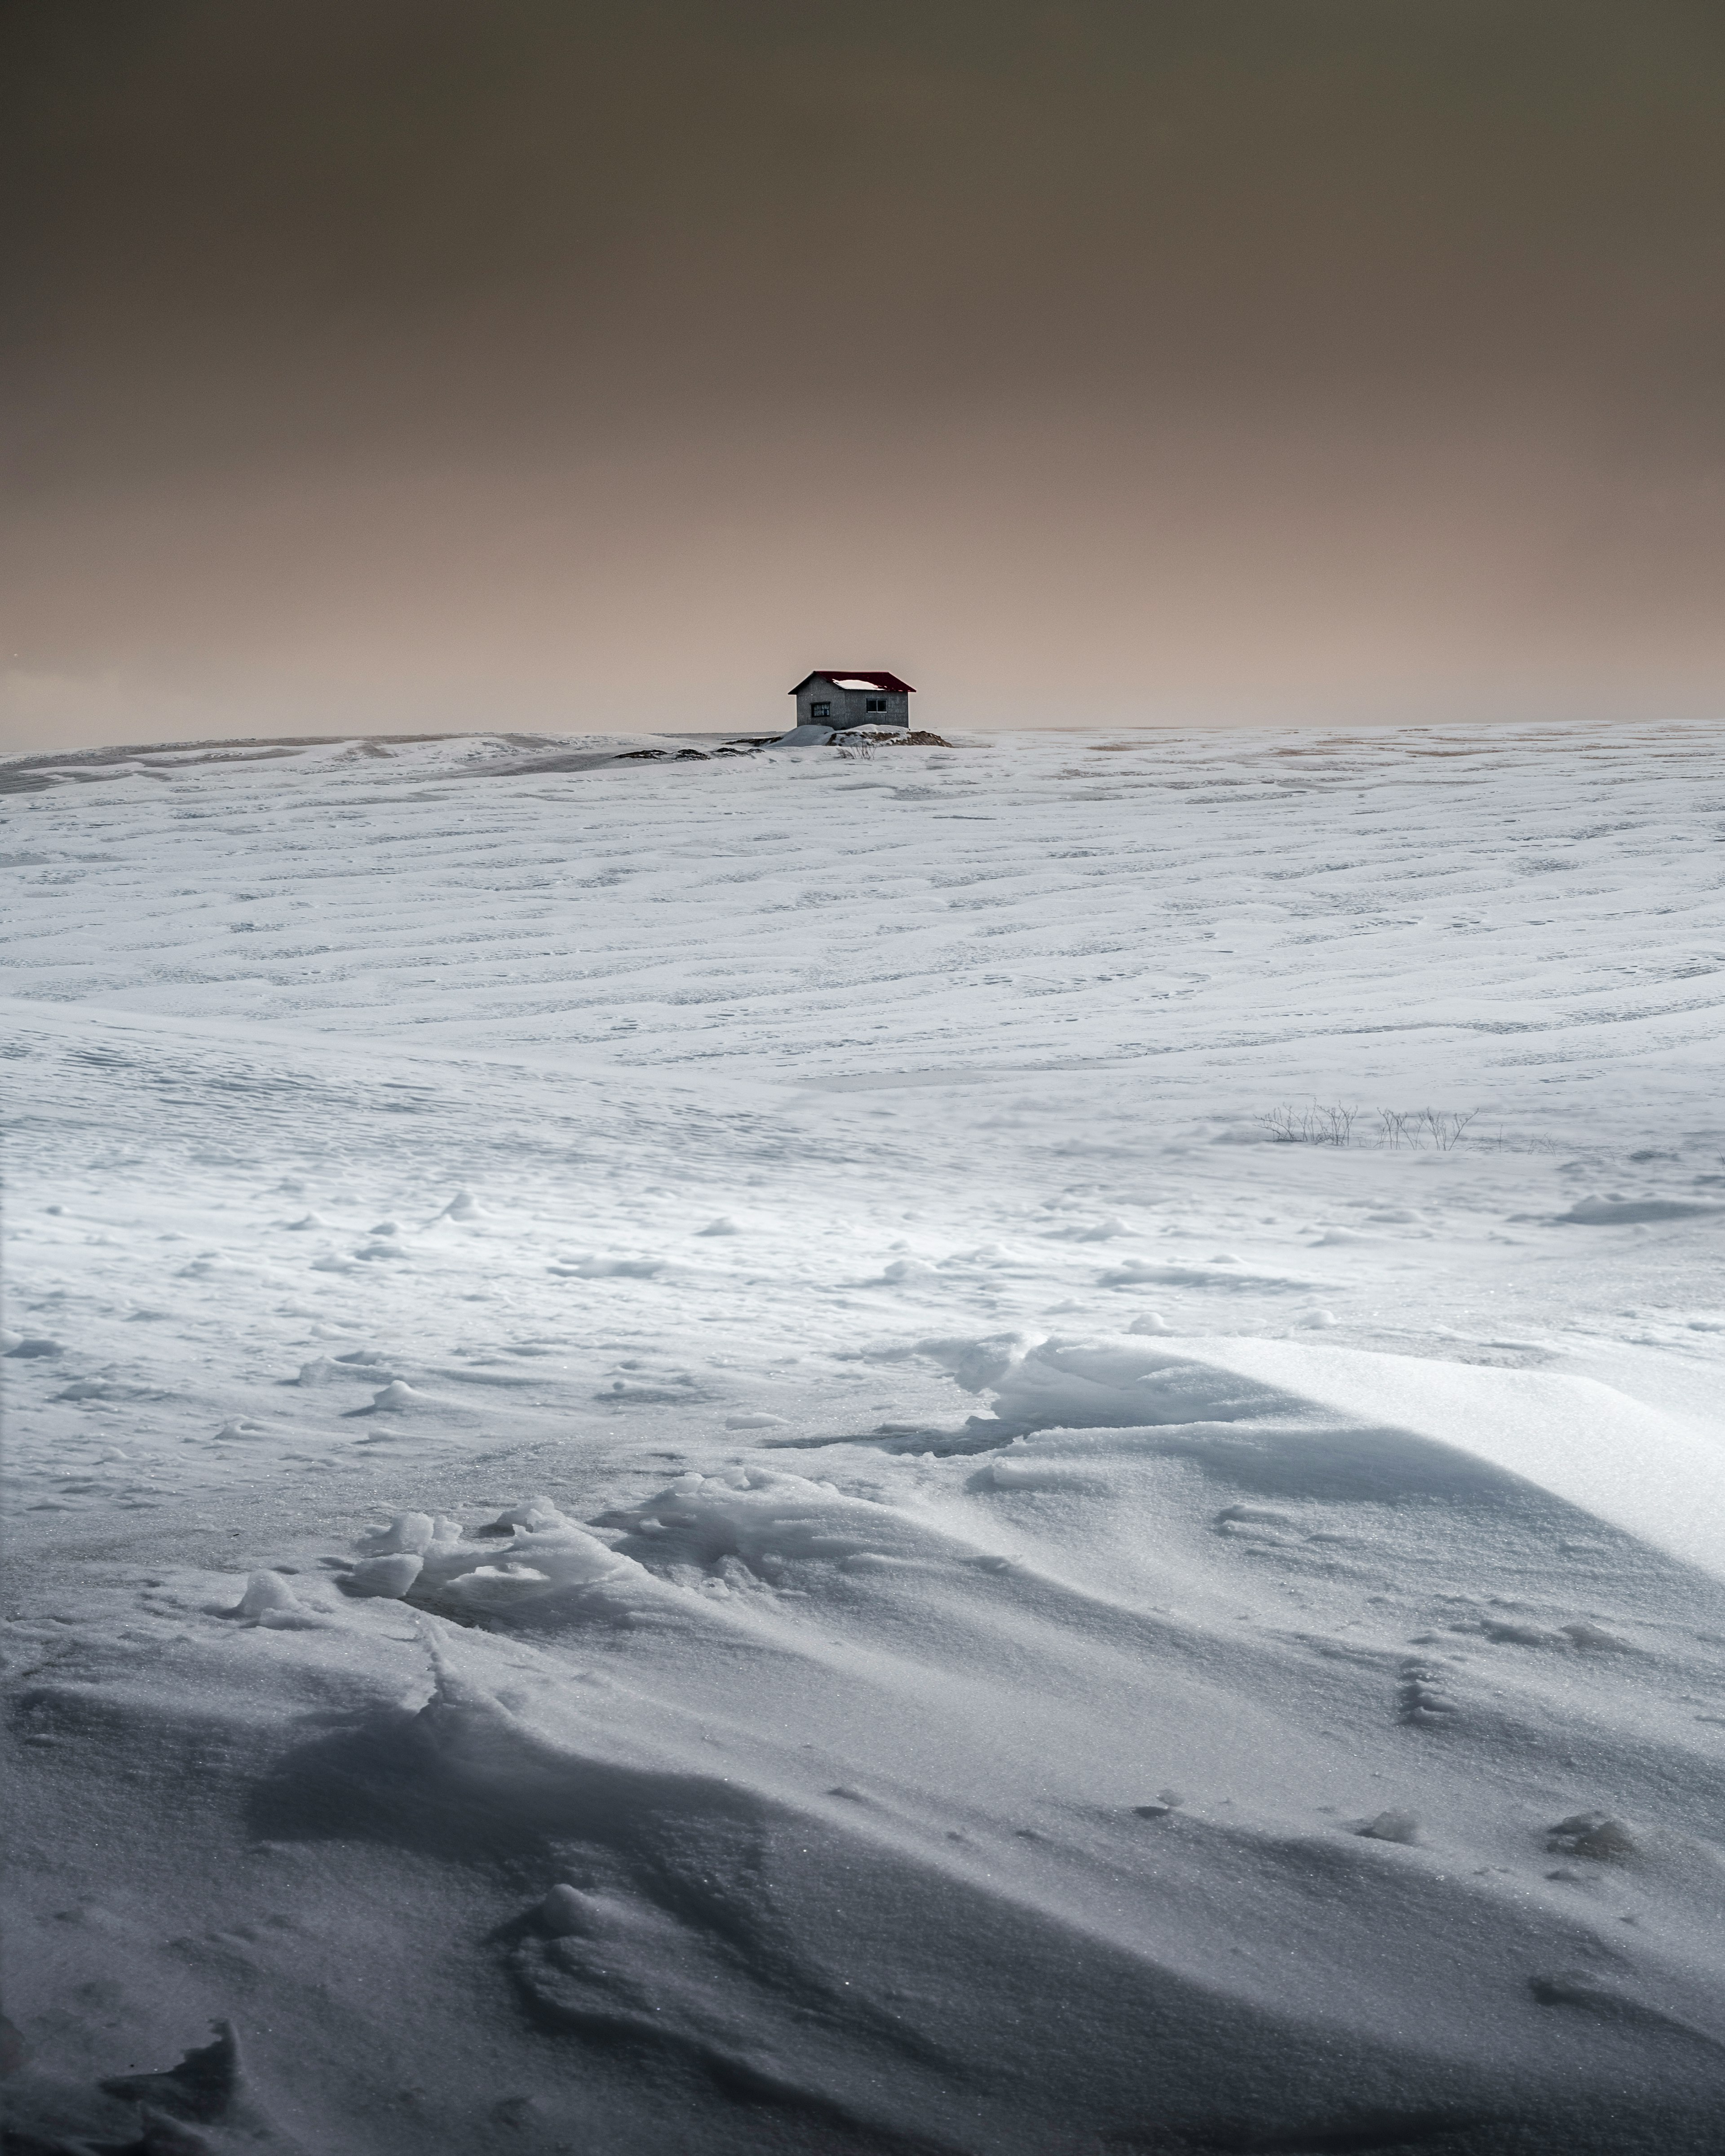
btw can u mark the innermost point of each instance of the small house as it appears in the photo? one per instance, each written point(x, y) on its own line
point(846, 698)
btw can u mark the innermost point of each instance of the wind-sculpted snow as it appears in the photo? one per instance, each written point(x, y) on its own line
point(685, 1473)
point(1570, 1435)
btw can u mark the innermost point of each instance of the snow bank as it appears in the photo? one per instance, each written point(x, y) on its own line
point(1652, 1474)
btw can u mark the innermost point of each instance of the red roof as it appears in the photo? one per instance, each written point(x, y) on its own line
point(872, 675)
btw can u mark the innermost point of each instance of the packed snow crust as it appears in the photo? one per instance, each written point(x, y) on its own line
point(686, 1475)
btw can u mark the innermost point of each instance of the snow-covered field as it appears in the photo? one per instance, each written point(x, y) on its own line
point(686, 1476)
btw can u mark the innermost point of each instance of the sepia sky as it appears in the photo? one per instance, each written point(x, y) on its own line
point(404, 364)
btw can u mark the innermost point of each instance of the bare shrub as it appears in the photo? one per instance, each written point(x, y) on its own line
point(1439, 1128)
point(1332, 1123)
point(1321, 1124)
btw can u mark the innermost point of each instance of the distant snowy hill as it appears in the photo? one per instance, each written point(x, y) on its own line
point(702, 1455)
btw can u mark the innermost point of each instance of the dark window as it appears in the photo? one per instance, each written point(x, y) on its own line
point(874, 703)
point(821, 711)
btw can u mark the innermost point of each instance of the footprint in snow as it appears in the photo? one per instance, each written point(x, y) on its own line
point(1167, 1801)
point(1596, 1835)
point(1419, 1699)
point(1253, 1520)
point(623, 1391)
point(1390, 1826)
point(1506, 1633)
